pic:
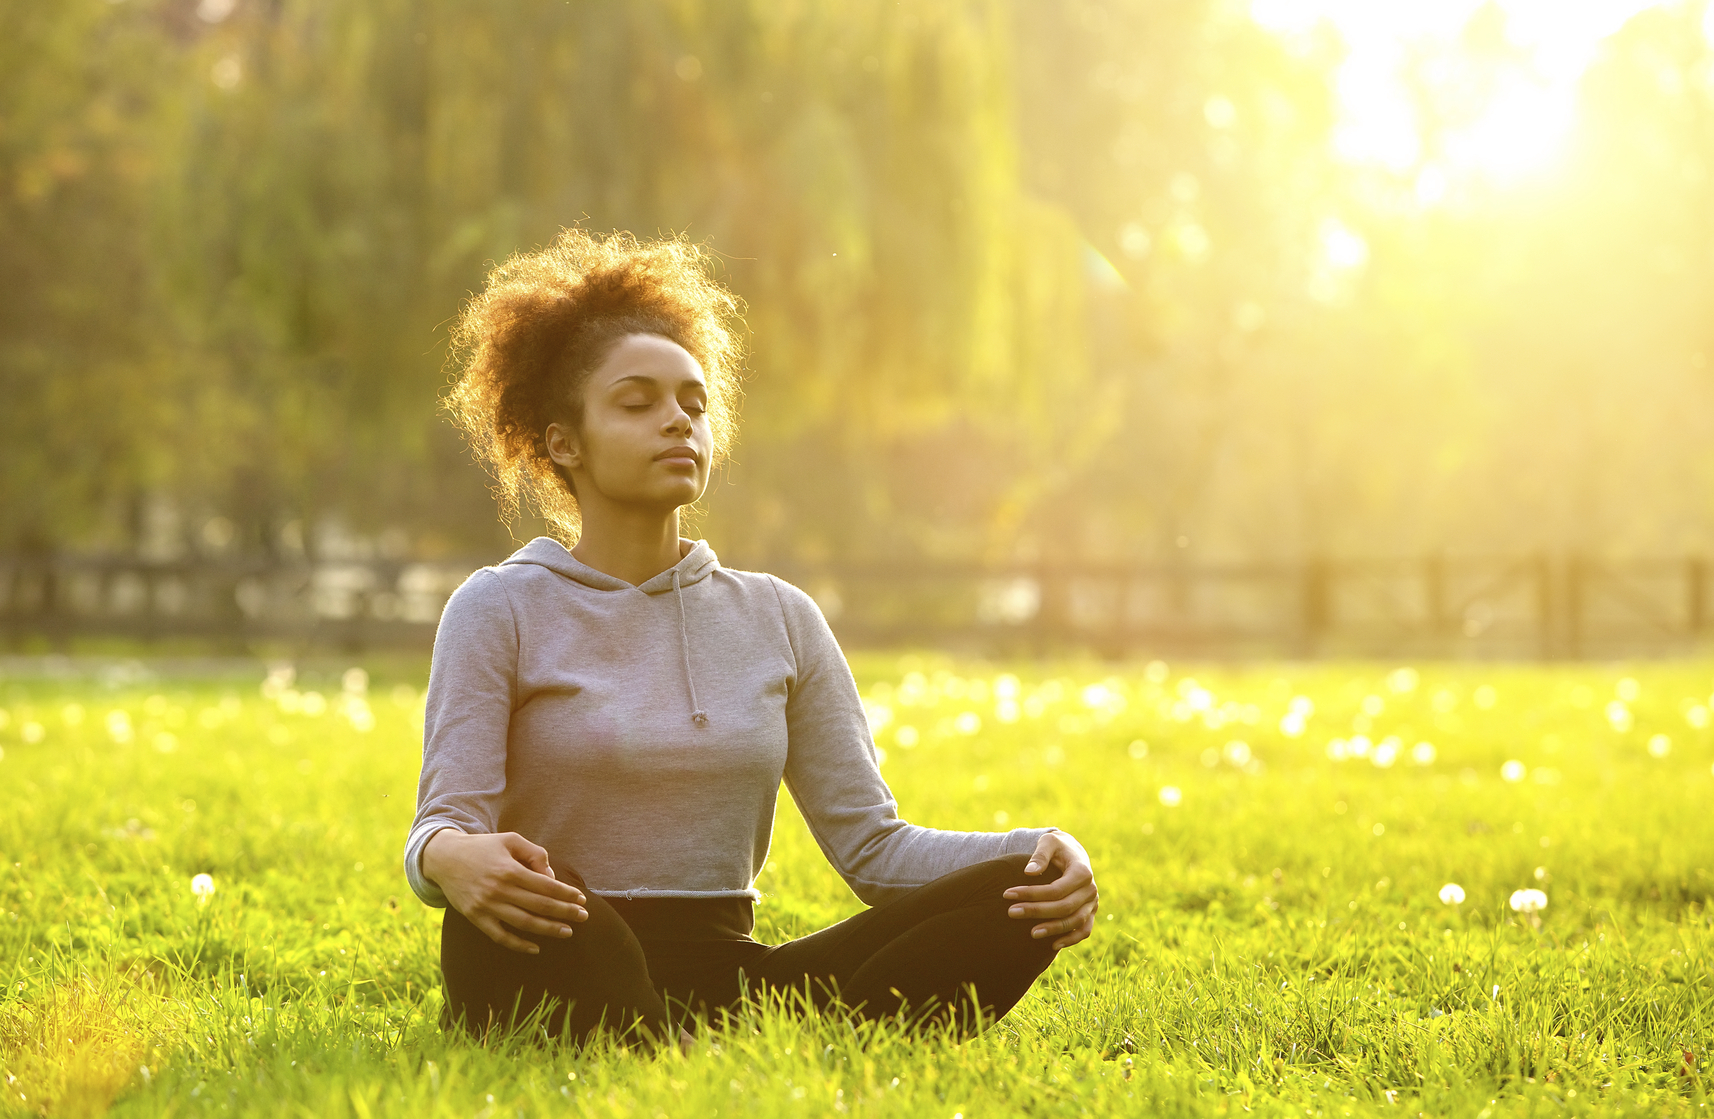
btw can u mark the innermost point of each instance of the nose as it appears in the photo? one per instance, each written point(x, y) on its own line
point(678, 420)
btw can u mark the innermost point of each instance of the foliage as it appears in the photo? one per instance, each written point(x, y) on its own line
point(1272, 941)
point(1093, 268)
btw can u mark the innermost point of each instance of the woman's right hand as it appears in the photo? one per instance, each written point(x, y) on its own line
point(502, 878)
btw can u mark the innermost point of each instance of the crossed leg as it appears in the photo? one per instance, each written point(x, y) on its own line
point(921, 954)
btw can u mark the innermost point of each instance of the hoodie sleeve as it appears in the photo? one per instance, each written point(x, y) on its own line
point(833, 775)
point(472, 682)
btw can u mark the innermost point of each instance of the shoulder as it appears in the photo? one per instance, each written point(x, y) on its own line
point(481, 598)
point(792, 602)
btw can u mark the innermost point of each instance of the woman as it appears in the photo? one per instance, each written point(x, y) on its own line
point(608, 725)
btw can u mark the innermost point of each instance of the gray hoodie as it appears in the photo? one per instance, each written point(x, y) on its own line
point(640, 733)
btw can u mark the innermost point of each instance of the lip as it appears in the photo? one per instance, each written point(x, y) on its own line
point(679, 454)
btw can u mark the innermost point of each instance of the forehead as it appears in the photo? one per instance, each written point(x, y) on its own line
point(651, 357)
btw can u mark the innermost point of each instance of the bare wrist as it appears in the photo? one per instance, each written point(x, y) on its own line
point(428, 857)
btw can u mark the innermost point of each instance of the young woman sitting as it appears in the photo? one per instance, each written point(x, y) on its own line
point(608, 723)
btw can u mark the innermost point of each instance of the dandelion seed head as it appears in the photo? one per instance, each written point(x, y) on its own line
point(202, 886)
point(1171, 796)
point(1528, 901)
point(1514, 770)
point(1452, 894)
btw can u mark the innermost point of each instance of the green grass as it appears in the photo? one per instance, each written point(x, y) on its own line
point(1273, 942)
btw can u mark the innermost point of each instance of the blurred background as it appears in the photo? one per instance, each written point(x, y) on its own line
point(1293, 325)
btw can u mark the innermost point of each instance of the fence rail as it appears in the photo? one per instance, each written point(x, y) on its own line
point(1535, 606)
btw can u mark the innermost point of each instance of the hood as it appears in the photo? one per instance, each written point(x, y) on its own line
point(544, 551)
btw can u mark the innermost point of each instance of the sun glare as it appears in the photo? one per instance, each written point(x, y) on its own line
point(1517, 105)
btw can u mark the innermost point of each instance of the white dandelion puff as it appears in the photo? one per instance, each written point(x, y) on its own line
point(1452, 894)
point(203, 887)
point(1528, 902)
point(1514, 770)
point(1171, 796)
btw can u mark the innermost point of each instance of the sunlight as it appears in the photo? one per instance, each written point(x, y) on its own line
point(1513, 99)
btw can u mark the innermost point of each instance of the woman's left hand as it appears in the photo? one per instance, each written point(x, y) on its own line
point(1069, 901)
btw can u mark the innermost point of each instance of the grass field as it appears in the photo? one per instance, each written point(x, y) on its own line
point(1272, 936)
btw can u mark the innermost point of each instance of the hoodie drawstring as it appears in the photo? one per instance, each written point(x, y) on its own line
point(697, 714)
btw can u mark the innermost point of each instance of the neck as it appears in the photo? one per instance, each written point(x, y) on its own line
point(630, 544)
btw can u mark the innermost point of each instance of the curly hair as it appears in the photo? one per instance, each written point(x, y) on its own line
point(541, 325)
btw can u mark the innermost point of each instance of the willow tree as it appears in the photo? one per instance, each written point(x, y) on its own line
point(346, 174)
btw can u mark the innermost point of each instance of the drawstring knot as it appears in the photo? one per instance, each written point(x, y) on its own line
point(697, 714)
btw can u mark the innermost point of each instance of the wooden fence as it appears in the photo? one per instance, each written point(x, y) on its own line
point(1530, 607)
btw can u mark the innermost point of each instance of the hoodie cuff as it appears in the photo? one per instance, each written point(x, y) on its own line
point(421, 885)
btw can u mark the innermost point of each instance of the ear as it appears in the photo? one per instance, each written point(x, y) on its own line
point(563, 447)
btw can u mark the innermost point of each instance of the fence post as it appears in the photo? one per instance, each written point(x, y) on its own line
point(1696, 594)
point(1434, 595)
point(1575, 577)
point(1316, 604)
point(1543, 577)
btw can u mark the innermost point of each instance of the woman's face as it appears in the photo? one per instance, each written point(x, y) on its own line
point(644, 440)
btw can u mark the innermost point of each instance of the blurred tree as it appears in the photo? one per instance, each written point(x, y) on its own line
point(346, 174)
point(1071, 279)
point(94, 406)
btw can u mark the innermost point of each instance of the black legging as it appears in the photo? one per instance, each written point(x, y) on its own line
point(919, 954)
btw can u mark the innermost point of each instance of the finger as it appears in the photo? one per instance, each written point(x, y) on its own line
point(525, 921)
point(1076, 935)
point(1070, 879)
point(531, 855)
point(1048, 891)
point(1065, 925)
point(498, 934)
point(1042, 858)
point(1054, 907)
point(543, 906)
point(545, 884)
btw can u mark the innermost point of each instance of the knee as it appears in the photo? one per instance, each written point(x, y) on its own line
point(1008, 871)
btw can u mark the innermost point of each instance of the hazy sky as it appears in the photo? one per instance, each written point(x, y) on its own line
point(1514, 128)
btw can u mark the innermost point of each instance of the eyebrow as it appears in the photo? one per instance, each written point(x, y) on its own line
point(652, 381)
